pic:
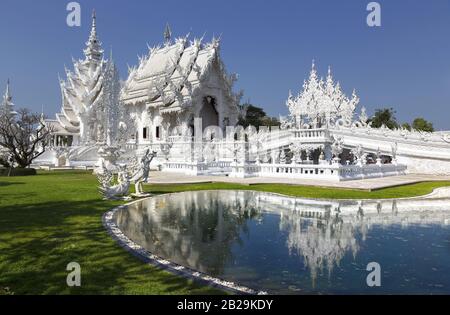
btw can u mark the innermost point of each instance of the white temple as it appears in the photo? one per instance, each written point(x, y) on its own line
point(182, 82)
point(176, 83)
point(89, 98)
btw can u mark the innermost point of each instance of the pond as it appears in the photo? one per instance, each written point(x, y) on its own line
point(284, 245)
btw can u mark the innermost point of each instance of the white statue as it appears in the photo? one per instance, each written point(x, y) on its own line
point(141, 172)
point(117, 191)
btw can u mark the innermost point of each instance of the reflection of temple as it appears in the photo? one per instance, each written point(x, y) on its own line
point(191, 226)
point(198, 229)
point(323, 236)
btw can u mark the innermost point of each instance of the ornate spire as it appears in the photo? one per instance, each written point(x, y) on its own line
point(167, 34)
point(7, 103)
point(7, 96)
point(93, 50)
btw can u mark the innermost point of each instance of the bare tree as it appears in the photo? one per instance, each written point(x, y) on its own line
point(25, 136)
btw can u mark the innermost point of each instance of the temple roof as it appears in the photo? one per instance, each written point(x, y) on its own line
point(82, 89)
point(169, 74)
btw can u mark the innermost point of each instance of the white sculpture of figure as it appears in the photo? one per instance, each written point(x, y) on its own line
point(363, 118)
point(309, 153)
point(141, 172)
point(282, 156)
point(337, 149)
point(296, 149)
point(322, 156)
point(379, 161)
point(394, 149)
point(110, 191)
point(358, 153)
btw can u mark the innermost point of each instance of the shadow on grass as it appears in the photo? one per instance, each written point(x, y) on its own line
point(3, 184)
point(37, 241)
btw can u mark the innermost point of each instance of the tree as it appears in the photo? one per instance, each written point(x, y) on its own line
point(257, 117)
point(406, 126)
point(24, 136)
point(421, 124)
point(385, 116)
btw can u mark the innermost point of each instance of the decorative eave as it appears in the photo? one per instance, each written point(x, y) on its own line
point(176, 83)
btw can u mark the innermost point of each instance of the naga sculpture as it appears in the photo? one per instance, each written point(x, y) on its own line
point(137, 172)
point(117, 191)
point(141, 171)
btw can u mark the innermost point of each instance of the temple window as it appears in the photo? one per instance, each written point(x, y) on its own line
point(145, 133)
point(158, 132)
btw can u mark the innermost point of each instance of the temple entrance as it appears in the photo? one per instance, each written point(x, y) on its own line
point(209, 114)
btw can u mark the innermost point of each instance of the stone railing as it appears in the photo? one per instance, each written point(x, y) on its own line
point(322, 134)
point(334, 172)
point(331, 172)
point(197, 168)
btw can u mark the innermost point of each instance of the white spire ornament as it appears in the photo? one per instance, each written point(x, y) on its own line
point(167, 34)
point(90, 94)
point(320, 103)
point(7, 104)
point(93, 51)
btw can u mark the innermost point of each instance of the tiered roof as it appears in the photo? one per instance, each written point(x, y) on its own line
point(82, 90)
point(170, 75)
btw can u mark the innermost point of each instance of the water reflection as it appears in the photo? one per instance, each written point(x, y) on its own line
point(216, 232)
point(191, 229)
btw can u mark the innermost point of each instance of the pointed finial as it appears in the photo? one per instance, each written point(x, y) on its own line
point(93, 50)
point(167, 34)
point(329, 71)
point(313, 66)
point(8, 96)
point(94, 25)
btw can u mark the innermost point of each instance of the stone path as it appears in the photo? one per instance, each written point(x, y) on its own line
point(363, 184)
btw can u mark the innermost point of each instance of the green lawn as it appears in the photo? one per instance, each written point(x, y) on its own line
point(54, 218)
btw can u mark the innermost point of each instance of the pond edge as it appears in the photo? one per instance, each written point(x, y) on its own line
point(164, 264)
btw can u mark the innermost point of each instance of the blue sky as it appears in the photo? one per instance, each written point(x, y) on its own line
point(405, 64)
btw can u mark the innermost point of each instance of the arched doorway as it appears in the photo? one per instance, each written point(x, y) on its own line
point(208, 113)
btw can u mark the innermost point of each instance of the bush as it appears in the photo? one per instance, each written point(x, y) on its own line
point(5, 291)
point(18, 172)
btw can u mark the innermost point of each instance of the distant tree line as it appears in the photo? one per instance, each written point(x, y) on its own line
point(256, 116)
point(386, 117)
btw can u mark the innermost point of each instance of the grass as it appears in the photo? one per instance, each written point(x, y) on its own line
point(54, 218)
point(405, 191)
